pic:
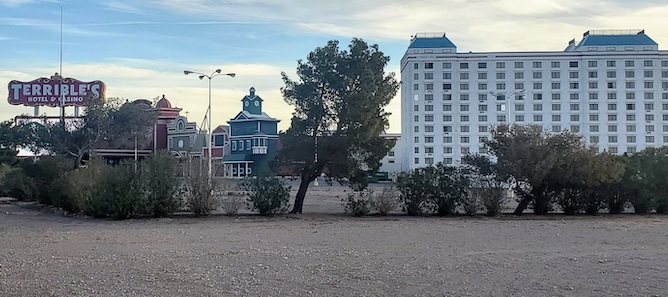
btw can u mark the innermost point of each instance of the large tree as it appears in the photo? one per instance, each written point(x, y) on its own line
point(339, 100)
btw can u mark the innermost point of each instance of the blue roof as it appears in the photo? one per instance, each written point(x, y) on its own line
point(440, 42)
point(602, 40)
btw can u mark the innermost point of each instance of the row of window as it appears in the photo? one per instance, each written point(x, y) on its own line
point(539, 96)
point(539, 75)
point(535, 106)
point(539, 118)
point(555, 118)
point(555, 128)
point(539, 86)
point(241, 145)
point(539, 64)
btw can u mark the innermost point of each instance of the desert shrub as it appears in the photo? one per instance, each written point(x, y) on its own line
point(488, 193)
point(200, 195)
point(593, 200)
point(162, 184)
point(471, 204)
point(48, 175)
point(570, 200)
point(231, 202)
point(449, 190)
point(266, 195)
point(16, 184)
point(358, 203)
point(385, 201)
point(82, 186)
point(642, 203)
point(413, 187)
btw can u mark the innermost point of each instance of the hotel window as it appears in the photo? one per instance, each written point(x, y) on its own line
point(428, 75)
point(593, 85)
point(429, 150)
point(447, 160)
point(556, 96)
point(612, 96)
point(464, 129)
point(630, 96)
point(556, 128)
point(573, 74)
point(612, 85)
point(593, 96)
point(500, 107)
point(417, 160)
point(556, 107)
point(537, 86)
point(482, 65)
point(482, 107)
point(464, 107)
point(593, 64)
point(593, 117)
point(428, 139)
point(429, 97)
point(649, 128)
point(556, 118)
point(631, 139)
point(463, 65)
point(648, 73)
point(416, 107)
point(519, 107)
point(416, 129)
point(648, 84)
point(429, 87)
point(429, 161)
point(464, 97)
point(447, 118)
point(500, 118)
point(575, 128)
point(519, 64)
point(465, 139)
point(593, 106)
point(629, 74)
point(593, 128)
point(664, 96)
point(630, 85)
point(628, 63)
point(611, 74)
point(649, 106)
point(416, 87)
point(429, 107)
point(416, 139)
point(649, 117)
point(649, 138)
point(482, 75)
point(519, 75)
point(447, 65)
point(482, 118)
point(416, 118)
point(612, 118)
point(464, 75)
point(416, 66)
point(611, 64)
point(630, 128)
point(612, 128)
point(664, 106)
point(447, 129)
point(537, 64)
point(428, 65)
point(612, 106)
point(500, 65)
point(500, 75)
point(501, 86)
point(649, 96)
point(519, 118)
point(482, 86)
point(429, 118)
point(647, 63)
point(575, 118)
point(447, 107)
point(554, 64)
point(519, 86)
point(447, 139)
point(537, 118)
point(447, 150)
point(482, 129)
point(537, 75)
point(464, 87)
point(593, 74)
point(447, 75)
point(593, 139)
point(465, 151)
point(573, 64)
point(538, 96)
point(574, 86)
point(556, 86)
point(447, 87)
point(612, 139)
point(664, 63)
point(416, 76)
point(555, 74)
point(575, 106)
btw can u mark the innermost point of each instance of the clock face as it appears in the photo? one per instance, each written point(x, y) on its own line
point(246, 103)
point(257, 103)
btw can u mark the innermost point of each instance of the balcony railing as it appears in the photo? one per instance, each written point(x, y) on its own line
point(259, 150)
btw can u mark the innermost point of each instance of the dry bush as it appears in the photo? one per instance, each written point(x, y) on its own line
point(385, 200)
point(232, 201)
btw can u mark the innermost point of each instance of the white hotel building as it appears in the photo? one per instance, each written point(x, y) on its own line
point(611, 87)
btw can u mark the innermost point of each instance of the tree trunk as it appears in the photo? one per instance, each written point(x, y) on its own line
point(524, 203)
point(301, 194)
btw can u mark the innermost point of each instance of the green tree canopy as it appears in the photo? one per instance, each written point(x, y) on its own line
point(339, 100)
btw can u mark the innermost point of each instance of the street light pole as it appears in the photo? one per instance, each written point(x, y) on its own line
point(509, 104)
point(217, 72)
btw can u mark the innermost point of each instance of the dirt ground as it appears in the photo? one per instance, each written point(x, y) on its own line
point(45, 254)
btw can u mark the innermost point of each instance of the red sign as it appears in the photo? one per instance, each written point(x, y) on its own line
point(50, 91)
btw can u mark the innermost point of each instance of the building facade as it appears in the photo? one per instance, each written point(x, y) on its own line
point(253, 139)
point(611, 87)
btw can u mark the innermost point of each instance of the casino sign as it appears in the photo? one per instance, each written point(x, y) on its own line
point(48, 91)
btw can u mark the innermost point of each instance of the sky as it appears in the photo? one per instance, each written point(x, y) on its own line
point(140, 48)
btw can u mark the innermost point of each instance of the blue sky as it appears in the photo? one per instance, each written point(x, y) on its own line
point(140, 48)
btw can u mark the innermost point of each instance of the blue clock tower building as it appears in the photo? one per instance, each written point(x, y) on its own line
point(253, 139)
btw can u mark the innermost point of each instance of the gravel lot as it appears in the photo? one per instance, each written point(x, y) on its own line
point(46, 254)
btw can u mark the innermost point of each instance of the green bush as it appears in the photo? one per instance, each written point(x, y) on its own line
point(413, 190)
point(490, 194)
point(200, 194)
point(48, 174)
point(642, 203)
point(16, 184)
point(162, 184)
point(449, 190)
point(266, 195)
point(358, 203)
